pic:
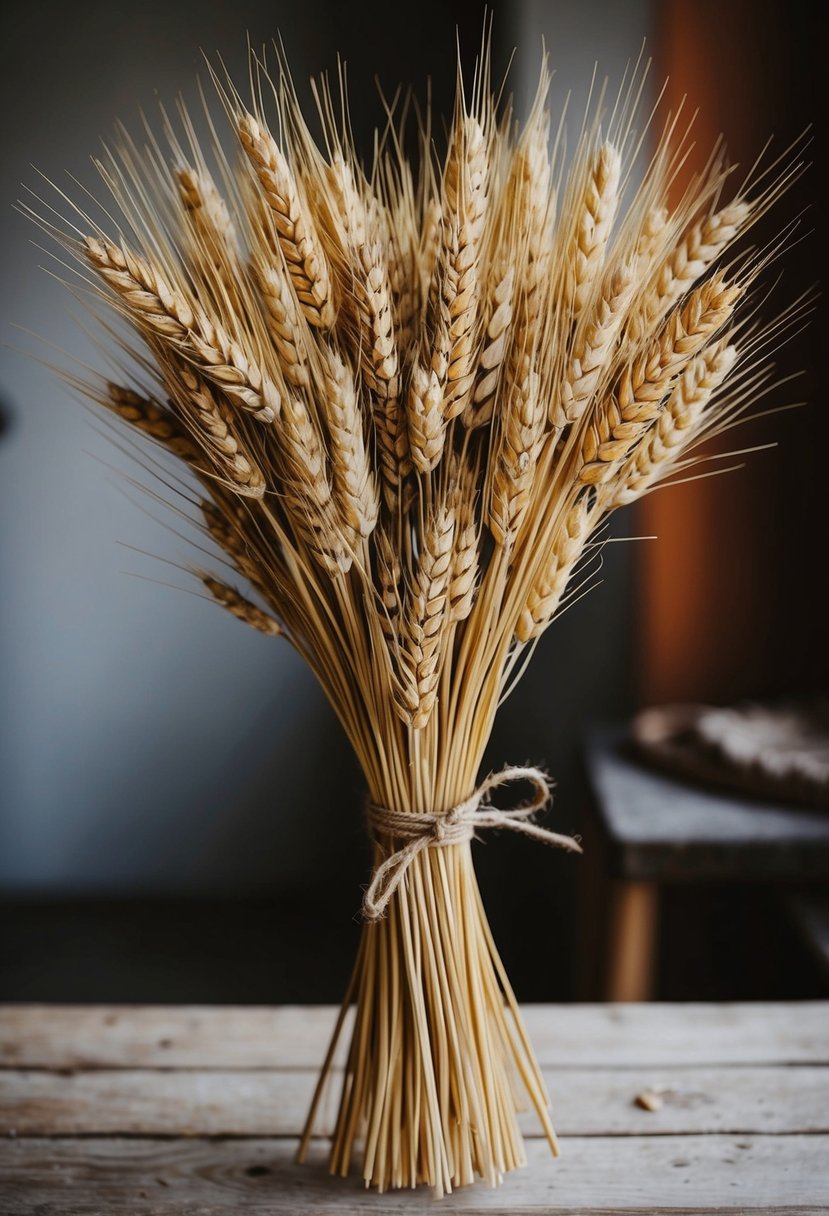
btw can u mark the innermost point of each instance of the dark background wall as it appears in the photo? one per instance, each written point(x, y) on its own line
point(180, 818)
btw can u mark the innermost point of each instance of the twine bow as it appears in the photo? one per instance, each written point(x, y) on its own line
point(433, 829)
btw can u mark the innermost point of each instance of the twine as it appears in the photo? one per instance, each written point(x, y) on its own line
point(437, 829)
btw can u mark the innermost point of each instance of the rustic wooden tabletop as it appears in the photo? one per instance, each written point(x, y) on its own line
point(168, 1110)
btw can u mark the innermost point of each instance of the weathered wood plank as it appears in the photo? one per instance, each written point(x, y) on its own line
point(578, 1036)
point(782, 1174)
point(663, 829)
point(595, 1102)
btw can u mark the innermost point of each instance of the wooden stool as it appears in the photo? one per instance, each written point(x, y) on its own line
point(645, 830)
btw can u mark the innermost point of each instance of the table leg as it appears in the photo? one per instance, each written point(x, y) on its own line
point(632, 931)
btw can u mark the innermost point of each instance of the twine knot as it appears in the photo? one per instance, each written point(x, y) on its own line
point(437, 829)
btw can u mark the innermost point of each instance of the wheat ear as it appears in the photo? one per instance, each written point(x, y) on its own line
point(458, 270)
point(676, 427)
point(152, 419)
point(530, 205)
point(427, 423)
point(403, 233)
point(282, 319)
point(211, 422)
point(241, 608)
point(517, 455)
point(595, 220)
point(424, 620)
point(164, 312)
point(546, 594)
point(650, 238)
point(390, 574)
point(365, 269)
point(227, 523)
point(593, 347)
point(309, 498)
point(208, 214)
point(628, 411)
point(527, 221)
point(297, 237)
point(463, 585)
point(478, 412)
point(355, 487)
point(698, 249)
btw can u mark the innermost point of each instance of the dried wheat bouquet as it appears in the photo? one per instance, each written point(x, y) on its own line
point(408, 395)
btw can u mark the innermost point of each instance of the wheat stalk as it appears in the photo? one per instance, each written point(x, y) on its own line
point(409, 395)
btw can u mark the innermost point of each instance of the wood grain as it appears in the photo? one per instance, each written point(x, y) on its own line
point(170, 1111)
point(596, 1102)
point(781, 1174)
point(574, 1036)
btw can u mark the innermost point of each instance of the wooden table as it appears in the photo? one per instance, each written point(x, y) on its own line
point(171, 1110)
point(646, 829)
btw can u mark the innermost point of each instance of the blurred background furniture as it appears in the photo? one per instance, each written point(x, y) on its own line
point(185, 1109)
point(645, 831)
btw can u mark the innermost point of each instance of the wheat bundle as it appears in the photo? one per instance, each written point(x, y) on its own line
point(410, 396)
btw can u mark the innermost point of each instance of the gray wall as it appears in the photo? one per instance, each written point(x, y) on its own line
point(150, 743)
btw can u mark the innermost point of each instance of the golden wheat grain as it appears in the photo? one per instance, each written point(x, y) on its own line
point(225, 360)
point(308, 492)
point(527, 227)
point(365, 270)
point(429, 246)
point(463, 585)
point(142, 288)
point(228, 525)
point(403, 273)
point(650, 239)
point(211, 422)
point(389, 577)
